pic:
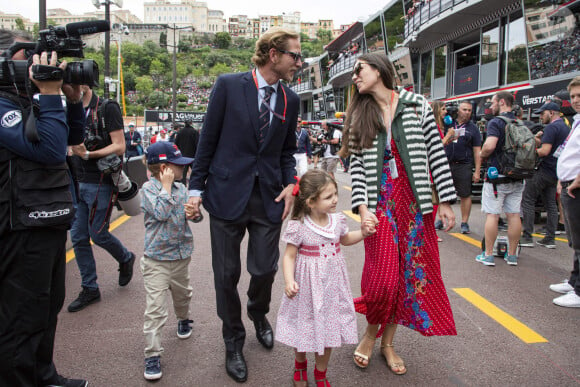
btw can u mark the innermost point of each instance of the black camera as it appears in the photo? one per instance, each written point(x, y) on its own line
point(94, 142)
point(66, 41)
point(109, 164)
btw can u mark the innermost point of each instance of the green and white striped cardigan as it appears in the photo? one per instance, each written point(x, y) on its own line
point(419, 144)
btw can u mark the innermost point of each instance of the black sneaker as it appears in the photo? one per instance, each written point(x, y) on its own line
point(547, 242)
point(526, 241)
point(184, 328)
point(502, 225)
point(561, 229)
point(126, 271)
point(153, 368)
point(65, 382)
point(86, 297)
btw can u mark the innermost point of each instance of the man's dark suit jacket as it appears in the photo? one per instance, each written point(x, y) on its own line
point(229, 157)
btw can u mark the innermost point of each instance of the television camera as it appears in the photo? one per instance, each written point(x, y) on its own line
point(67, 42)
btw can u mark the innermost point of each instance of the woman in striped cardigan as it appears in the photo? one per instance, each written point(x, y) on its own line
point(395, 147)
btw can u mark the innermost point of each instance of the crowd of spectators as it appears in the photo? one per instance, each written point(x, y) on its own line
point(352, 49)
point(556, 57)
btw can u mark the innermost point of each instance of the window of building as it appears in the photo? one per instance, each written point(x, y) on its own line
point(516, 49)
point(440, 71)
point(394, 26)
point(489, 70)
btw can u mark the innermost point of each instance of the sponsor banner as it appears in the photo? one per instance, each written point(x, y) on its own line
point(538, 95)
point(166, 116)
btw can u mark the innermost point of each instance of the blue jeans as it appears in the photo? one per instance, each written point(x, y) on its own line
point(83, 231)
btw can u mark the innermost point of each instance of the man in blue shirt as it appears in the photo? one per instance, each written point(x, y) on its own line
point(501, 195)
point(545, 179)
point(463, 155)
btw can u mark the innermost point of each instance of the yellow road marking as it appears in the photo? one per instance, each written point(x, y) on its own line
point(467, 239)
point(524, 333)
point(477, 243)
point(352, 215)
point(70, 255)
point(346, 187)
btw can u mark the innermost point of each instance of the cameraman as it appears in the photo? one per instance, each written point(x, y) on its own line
point(103, 136)
point(36, 209)
point(331, 145)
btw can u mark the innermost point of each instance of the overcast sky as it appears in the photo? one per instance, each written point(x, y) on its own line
point(341, 11)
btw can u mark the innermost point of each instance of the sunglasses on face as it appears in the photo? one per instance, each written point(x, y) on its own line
point(357, 69)
point(295, 55)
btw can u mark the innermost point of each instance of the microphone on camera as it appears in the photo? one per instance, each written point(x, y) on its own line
point(88, 27)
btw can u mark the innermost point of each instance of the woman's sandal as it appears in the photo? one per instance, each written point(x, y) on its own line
point(396, 368)
point(357, 353)
point(300, 378)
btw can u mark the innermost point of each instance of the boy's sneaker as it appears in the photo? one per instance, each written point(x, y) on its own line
point(465, 228)
point(439, 225)
point(487, 260)
point(547, 242)
point(511, 260)
point(184, 328)
point(563, 287)
point(568, 300)
point(561, 229)
point(153, 368)
point(86, 297)
point(526, 241)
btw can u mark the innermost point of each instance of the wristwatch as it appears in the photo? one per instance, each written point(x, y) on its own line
point(86, 155)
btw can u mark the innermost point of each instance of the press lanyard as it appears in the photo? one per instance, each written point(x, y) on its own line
point(283, 116)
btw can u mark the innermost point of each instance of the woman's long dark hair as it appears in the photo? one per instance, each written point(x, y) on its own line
point(363, 116)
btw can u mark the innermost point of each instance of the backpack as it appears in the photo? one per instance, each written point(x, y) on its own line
point(518, 158)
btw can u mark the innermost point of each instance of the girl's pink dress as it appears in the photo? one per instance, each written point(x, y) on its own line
point(322, 314)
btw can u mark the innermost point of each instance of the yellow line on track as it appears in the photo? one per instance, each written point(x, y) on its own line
point(467, 239)
point(523, 332)
point(346, 187)
point(352, 215)
point(70, 255)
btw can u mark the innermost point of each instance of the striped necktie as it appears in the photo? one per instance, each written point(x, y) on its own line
point(264, 117)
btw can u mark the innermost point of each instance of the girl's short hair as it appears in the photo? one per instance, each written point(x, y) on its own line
point(311, 185)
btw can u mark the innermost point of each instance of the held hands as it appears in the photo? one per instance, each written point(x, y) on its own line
point(192, 210)
point(291, 289)
point(368, 227)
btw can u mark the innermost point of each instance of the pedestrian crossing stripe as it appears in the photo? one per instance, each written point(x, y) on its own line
point(520, 330)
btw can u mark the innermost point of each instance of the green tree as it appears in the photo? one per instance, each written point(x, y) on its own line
point(222, 40)
point(304, 37)
point(20, 24)
point(219, 69)
point(163, 39)
point(325, 36)
point(144, 85)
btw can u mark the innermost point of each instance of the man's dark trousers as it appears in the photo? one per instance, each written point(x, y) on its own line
point(572, 221)
point(540, 184)
point(262, 263)
point(27, 290)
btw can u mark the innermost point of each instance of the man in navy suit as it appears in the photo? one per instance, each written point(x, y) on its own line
point(244, 173)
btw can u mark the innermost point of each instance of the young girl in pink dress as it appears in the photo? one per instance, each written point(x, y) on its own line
point(317, 311)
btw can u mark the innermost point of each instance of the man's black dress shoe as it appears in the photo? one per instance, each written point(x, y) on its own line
point(264, 332)
point(236, 366)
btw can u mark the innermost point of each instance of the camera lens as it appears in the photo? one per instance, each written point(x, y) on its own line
point(85, 72)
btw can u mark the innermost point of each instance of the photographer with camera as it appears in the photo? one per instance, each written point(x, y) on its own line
point(331, 144)
point(36, 208)
point(104, 136)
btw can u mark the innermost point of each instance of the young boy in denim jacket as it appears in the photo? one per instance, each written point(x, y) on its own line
point(167, 252)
